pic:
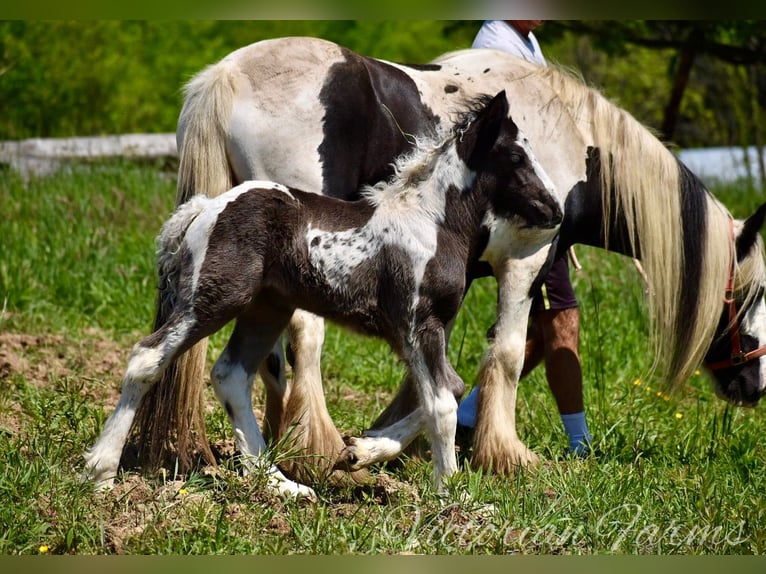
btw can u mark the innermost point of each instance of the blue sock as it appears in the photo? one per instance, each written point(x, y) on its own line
point(466, 410)
point(579, 436)
point(574, 424)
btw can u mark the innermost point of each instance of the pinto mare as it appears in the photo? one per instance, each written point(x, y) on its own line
point(392, 264)
point(310, 113)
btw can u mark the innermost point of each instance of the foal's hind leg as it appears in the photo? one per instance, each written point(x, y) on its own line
point(274, 377)
point(150, 357)
point(253, 337)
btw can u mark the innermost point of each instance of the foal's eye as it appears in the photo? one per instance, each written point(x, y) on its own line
point(515, 158)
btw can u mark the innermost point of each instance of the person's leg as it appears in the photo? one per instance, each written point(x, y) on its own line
point(561, 329)
point(553, 335)
point(560, 323)
point(533, 356)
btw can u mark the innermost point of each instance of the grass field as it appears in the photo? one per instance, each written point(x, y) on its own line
point(673, 474)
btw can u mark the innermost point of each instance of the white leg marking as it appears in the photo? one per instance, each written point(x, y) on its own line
point(444, 420)
point(233, 387)
point(103, 458)
point(383, 444)
point(440, 418)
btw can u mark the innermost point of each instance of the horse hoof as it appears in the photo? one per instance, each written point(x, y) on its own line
point(350, 458)
point(347, 461)
point(101, 482)
point(290, 489)
point(507, 462)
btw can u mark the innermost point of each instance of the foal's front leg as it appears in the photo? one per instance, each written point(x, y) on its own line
point(381, 444)
point(435, 382)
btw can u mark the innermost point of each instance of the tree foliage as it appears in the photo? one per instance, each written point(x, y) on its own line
point(64, 78)
point(690, 44)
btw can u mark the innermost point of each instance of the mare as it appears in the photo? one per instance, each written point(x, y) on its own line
point(392, 264)
point(310, 113)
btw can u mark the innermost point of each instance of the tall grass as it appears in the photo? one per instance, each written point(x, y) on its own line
point(672, 474)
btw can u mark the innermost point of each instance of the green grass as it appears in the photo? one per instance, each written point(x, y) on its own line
point(674, 474)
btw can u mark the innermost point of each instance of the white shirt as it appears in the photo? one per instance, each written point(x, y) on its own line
point(499, 35)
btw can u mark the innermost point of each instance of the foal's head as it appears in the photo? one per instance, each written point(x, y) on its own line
point(494, 147)
point(485, 153)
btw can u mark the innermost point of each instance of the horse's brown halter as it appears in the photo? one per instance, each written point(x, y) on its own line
point(737, 357)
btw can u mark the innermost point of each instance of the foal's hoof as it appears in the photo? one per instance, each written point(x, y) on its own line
point(289, 489)
point(101, 475)
point(101, 482)
point(352, 457)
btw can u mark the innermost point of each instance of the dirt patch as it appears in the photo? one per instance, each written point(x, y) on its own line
point(36, 357)
point(41, 358)
point(94, 361)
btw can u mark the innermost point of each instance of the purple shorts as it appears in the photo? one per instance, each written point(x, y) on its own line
point(556, 291)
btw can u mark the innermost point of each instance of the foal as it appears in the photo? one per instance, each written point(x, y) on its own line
point(392, 265)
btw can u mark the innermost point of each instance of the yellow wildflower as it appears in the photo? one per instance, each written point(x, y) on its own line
point(183, 492)
point(679, 415)
point(44, 549)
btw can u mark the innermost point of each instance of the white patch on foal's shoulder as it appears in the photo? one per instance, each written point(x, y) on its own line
point(335, 254)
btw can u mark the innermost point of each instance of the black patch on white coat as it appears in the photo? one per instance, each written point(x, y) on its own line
point(372, 112)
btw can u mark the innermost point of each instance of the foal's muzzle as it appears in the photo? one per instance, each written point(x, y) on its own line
point(545, 215)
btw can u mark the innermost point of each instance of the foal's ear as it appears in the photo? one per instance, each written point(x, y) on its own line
point(474, 145)
point(749, 233)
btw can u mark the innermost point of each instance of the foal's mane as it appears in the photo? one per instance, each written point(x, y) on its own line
point(656, 192)
point(423, 175)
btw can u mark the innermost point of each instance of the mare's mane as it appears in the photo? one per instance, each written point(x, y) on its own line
point(687, 264)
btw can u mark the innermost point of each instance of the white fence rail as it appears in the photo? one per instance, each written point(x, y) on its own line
point(43, 156)
point(40, 156)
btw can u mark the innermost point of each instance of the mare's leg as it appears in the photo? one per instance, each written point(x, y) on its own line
point(496, 445)
point(313, 432)
point(253, 337)
point(150, 357)
point(299, 408)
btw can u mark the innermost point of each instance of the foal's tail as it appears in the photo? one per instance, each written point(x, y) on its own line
point(168, 247)
point(172, 411)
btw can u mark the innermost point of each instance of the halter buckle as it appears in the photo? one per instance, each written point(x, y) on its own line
point(738, 359)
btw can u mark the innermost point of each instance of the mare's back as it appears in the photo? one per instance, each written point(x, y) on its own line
point(316, 116)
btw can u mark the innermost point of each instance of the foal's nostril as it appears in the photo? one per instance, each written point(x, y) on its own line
point(543, 214)
point(558, 216)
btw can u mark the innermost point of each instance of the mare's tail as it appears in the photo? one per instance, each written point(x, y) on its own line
point(172, 412)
